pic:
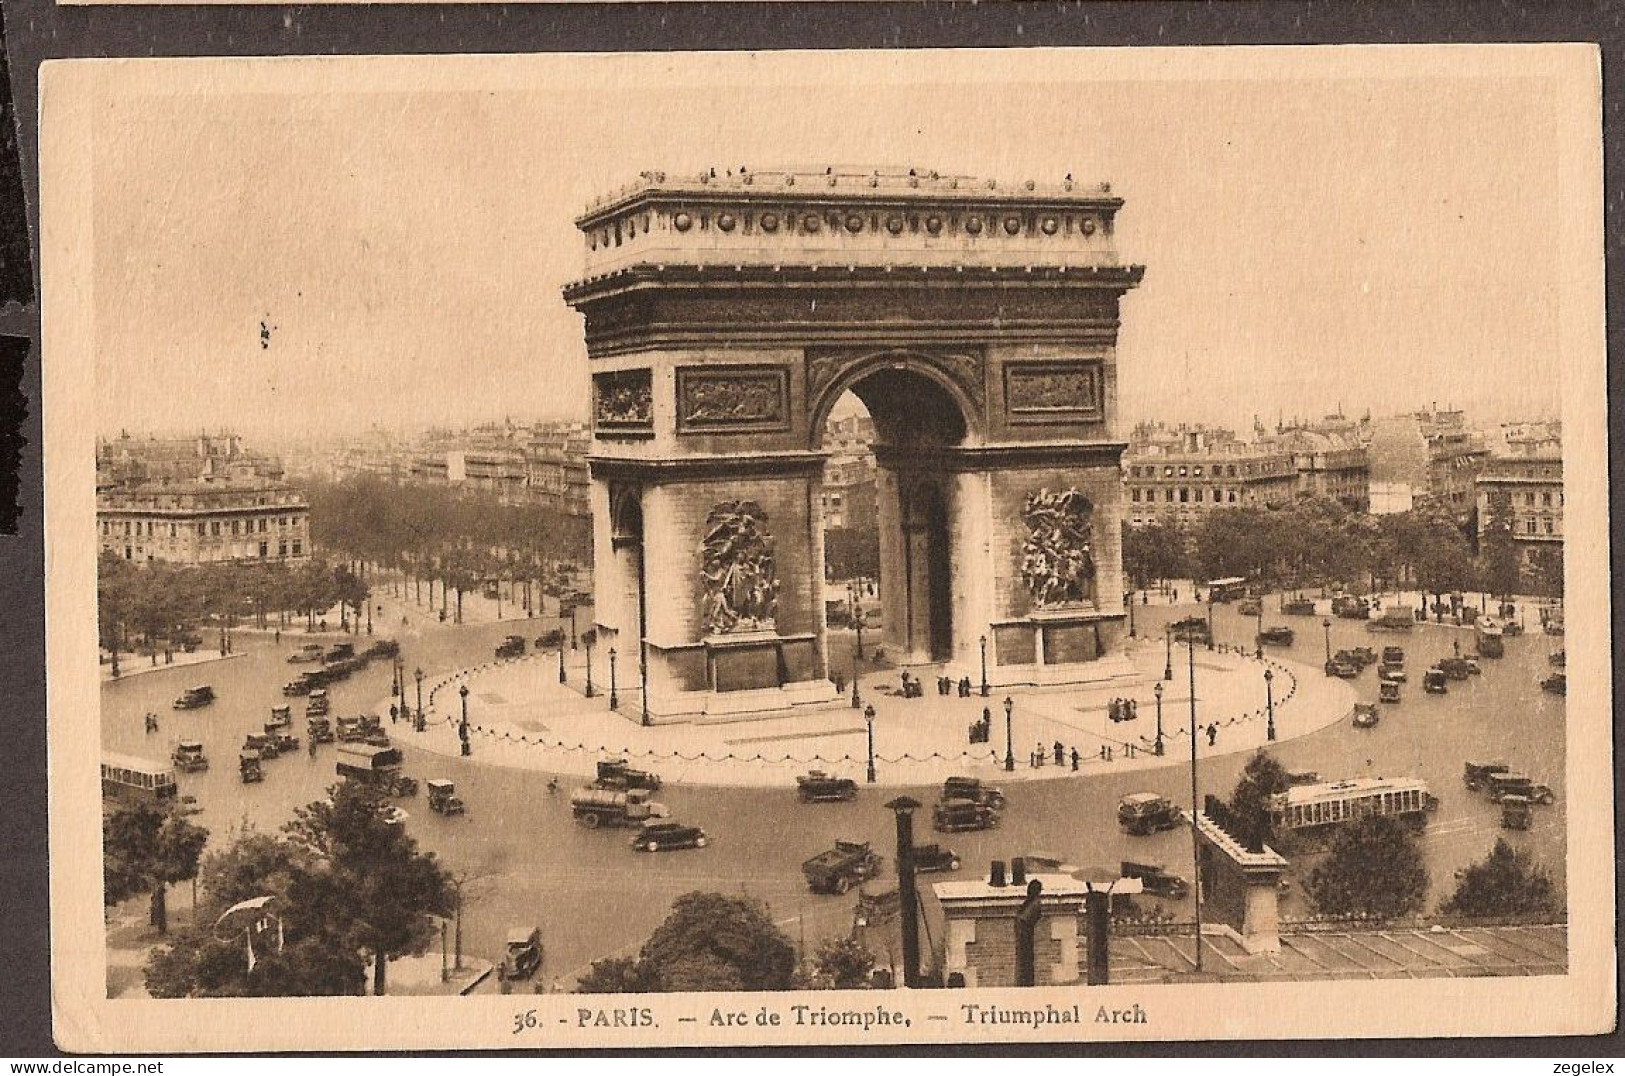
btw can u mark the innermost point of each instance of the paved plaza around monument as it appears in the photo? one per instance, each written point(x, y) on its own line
point(520, 716)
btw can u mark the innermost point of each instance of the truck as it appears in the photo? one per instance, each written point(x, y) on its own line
point(379, 766)
point(972, 788)
point(594, 807)
point(840, 868)
point(1144, 813)
point(619, 774)
point(1392, 618)
point(816, 786)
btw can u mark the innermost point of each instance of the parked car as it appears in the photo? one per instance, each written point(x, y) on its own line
point(1391, 673)
point(1557, 684)
point(188, 757)
point(522, 956)
point(1388, 691)
point(512, 646)
point(1342, 668)
point(1298, 607)
point(929, 858)
point(1516, 813)
point(383, 648)
point(816, 786)
point(1393, 655)
point(1156, 880)
point(1144, 813)
point(319, 704)
point(319, 729)
point(1476, 774)
point(1349, 607)
point(618, 773)
point(295, 688)
point(1276, 636)
point(194, 698)
point(1360, 655)
point(838, 869)
point(1498, 786)
point(972, 788)
point(1250, 606)
point(1457, 668)
point(339, 652)
point(248, 767)
point(263, 746)
point(957, 816)
point(285, 743)
point(659, 836)
point(306, 654)
point(1365, 715)
point(1433, 681)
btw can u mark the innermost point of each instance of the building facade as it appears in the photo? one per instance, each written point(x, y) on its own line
point(1528, 473)
point(1330, 458)
point(205, 522)
point(1177, 475)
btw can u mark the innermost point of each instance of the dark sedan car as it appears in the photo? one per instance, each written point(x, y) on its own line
point(1276, 636)
point(660, 836)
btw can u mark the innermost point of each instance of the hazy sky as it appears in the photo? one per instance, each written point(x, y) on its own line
point(1369, 242)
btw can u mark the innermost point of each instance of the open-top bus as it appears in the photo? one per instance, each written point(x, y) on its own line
point(1310, 813)
point(125, 777)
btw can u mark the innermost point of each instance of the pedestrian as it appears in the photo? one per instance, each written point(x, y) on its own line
point(1060, 753)
point(279, 635)
point(1176, 594)
point(1212, 735)
point(1108, 753)
point(1043, 755)
point(312, 747)
point(394, 713)
point(1074, 760)
point(1103, 752)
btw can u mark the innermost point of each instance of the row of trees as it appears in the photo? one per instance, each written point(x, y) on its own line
point(1317, 541)
point(347, 884)
point(460, 539)
point(1375, 868)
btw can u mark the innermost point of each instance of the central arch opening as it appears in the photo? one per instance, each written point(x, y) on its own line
point(889, 504)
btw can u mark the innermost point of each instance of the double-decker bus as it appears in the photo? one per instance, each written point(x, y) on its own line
point(1307, 814)
point(125, 777)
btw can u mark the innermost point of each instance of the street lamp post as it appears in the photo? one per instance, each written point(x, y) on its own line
point(588, 641)
point(1259, 636)
point(462, 728)
point(420, 719)
point(1128, 600)
point(561, 660)
point(984, 666)
point(859, 620)
point(1210, 620)
point(1327, 624)
point(1196, 847)
point(1156, 689)
point(869, 720)
point(857, 701)
point(1269, 705)
point(614, 698)
point(643, 678)
point(1009, 738)
point(1168, 660)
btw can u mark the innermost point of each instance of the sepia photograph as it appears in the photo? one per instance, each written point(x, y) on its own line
point(786, 549)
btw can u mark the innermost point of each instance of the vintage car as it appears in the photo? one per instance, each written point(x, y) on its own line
point(1393, 618)
point(512, 646)
point(319, 704)
point(839, 868)
point(1250, 607)
point(618, 773)
point(194, 698)
point(383, 648)
point(1457, 668)
point(285, 743)
point(1516, 812)
point(523, 953)
point(972, 788)
point(958, 816)
point(1388, 691)
point(1365, 715)
point(1349, 607)
point(188, 757)
point(1277, 635)
point(282, 716)
point(1156, 880)
point(1193, 629)
point(262, 745)
point(319, 729)
point(295, 688)
point(1497, 786)
point(1557, 684)
point(1393, 655)
point(1475, 775)
point(1360, 655)
point(1391, 673)
point(377, 766)
point(816, 786)
point(930, 858)
point(359, 728)
point(248, 767)
point(1433, 681)
point(310, 652)
point(1559, 659)
point(1144, 813)
point(876, 906)
point(339, 652)
point(1342, 668)
point(443, 797)
point(659, 836)
point(1298, 607)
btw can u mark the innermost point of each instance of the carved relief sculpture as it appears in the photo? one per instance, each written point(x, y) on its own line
point(1057, 559)
point(623, 399)
point(1051, 391)
point(754, 399)
point(741, 591)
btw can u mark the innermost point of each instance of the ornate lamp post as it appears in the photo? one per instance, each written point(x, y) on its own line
point(418, 675)
point(1156, 689)
point(1128, 600)
point(1269, 705)
point(1327, 624)
point(984, 666)
point(643, 677)
point(1210, 620)
point(869, 720)
point(561, 660)
point(856, 700)
point(462, 728)
point(859, 620)
point(1009, 738)
point(614, 699)
point(588, 641)
point(1168, 660)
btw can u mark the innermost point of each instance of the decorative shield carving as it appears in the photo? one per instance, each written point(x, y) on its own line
point(623, 400)
point(741, 590)
point(1057, 558)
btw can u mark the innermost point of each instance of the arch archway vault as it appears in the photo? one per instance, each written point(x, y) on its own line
point(724, 318)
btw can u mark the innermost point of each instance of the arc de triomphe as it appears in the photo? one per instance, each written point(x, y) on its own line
point(977, 322)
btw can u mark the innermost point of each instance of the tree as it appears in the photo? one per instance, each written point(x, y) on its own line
point(370, 876)
point(615, 975)
point(842, 964)
point(1507, 883)
point(708, 942)
point(851, 553)
point(145, 850)
point(1250, 802)
point(1498, 554)
point(1153, 551)
point(1374, 869)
